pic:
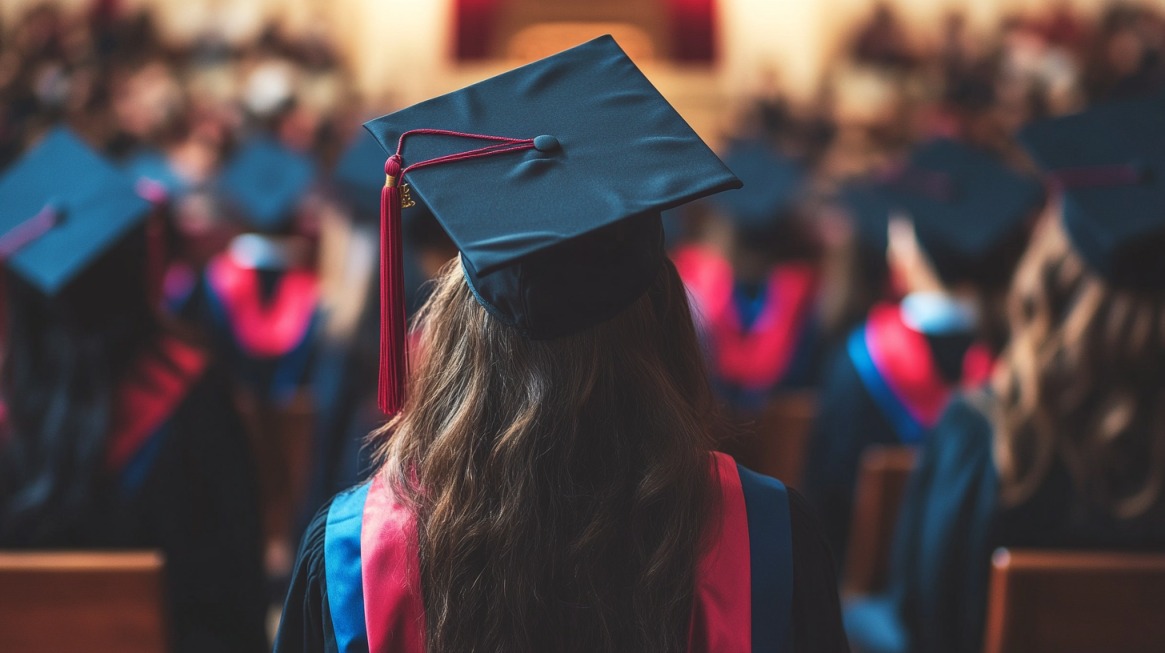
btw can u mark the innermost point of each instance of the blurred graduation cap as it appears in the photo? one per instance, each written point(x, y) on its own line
point(968, 208)
point(265, 181)
point(152, 166)
point(359, 174)
point(61, 207)
point(1109, 165)
point(772, 185)
point(550, 179)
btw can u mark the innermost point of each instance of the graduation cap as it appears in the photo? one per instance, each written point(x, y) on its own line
point(153, 167)
point(772, 184)
point(550, 179)
point(266, 181)
point(1109, 165)
point(61, 207)
point(968, 208)
point(359, 174)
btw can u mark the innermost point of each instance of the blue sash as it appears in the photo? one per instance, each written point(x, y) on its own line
point(342, 569)
point(771, 560)
point(909, 429)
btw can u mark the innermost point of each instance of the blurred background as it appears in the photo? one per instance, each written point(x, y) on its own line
point(175, 91)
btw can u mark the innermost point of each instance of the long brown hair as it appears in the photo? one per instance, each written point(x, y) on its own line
point(560, 486)
point(1082, 382)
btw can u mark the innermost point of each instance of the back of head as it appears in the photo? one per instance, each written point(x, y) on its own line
point(1082, 383)
point(560, 485)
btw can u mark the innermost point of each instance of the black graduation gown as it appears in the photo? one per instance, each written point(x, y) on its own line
point(850, 420)
point(197, 503)
point(307, 626)
point(950, 524)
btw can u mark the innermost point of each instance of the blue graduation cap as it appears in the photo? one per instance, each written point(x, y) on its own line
point(265, 181)
point(61, 207)
point(152, 165)
point(1109, 164)
point(550, 179)
point(359, 174)
point(772, 185)
point(968, 209)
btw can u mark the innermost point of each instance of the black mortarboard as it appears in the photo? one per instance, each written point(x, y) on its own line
point(772, 184)
point(1109, 163)
point(968, 209)
point(555, 203)
point(61, 207)
point(265, 182)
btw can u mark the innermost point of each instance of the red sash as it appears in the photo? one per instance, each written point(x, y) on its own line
point(759, 357)
point(904, 359)
point(156, 386)
point(264, 330)
point(394, 610)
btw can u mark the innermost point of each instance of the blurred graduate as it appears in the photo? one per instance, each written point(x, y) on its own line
point(117, 432)
point(755, 303)
point(959, 222)
point(259, 303)
point(549, 484)
point(1065, 449)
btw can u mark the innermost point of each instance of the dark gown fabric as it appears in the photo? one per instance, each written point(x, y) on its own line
point(307, 626)
point(196, 503)
point(950, 524)
point(849, 420)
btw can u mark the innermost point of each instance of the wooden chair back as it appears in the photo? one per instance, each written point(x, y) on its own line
point(1075, 602)
point(775, 441)
point(881, 484)
point(85, 601)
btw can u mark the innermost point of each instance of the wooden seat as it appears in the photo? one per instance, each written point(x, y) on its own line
point(84, 601)
point(1074, 602)
point(881, 484)
point(774, 441)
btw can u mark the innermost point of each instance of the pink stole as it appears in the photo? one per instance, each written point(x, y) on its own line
point(394, 608)
point(759, 357)
point(264, 330)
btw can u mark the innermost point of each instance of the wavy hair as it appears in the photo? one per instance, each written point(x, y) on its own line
point(560, 486)
point(1082, 382)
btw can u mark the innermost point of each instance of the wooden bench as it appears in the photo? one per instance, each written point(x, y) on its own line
point(774, 442)
point(1076, 602)
point(95, 602)
point(881, 484)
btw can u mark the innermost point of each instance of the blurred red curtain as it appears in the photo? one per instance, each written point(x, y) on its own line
point(475, 24)
point(692, 23)
point(693, 30)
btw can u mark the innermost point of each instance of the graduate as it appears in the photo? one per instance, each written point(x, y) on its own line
point(962, 221)
point(117, 433)
point(549, 484)
point(755, 308)
point(259, 298)
point(1064, 449)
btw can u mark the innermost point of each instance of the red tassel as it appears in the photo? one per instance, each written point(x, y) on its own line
point(393, 326)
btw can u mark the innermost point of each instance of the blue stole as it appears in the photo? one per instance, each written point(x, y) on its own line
point(342, 571)
point(908, 428)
